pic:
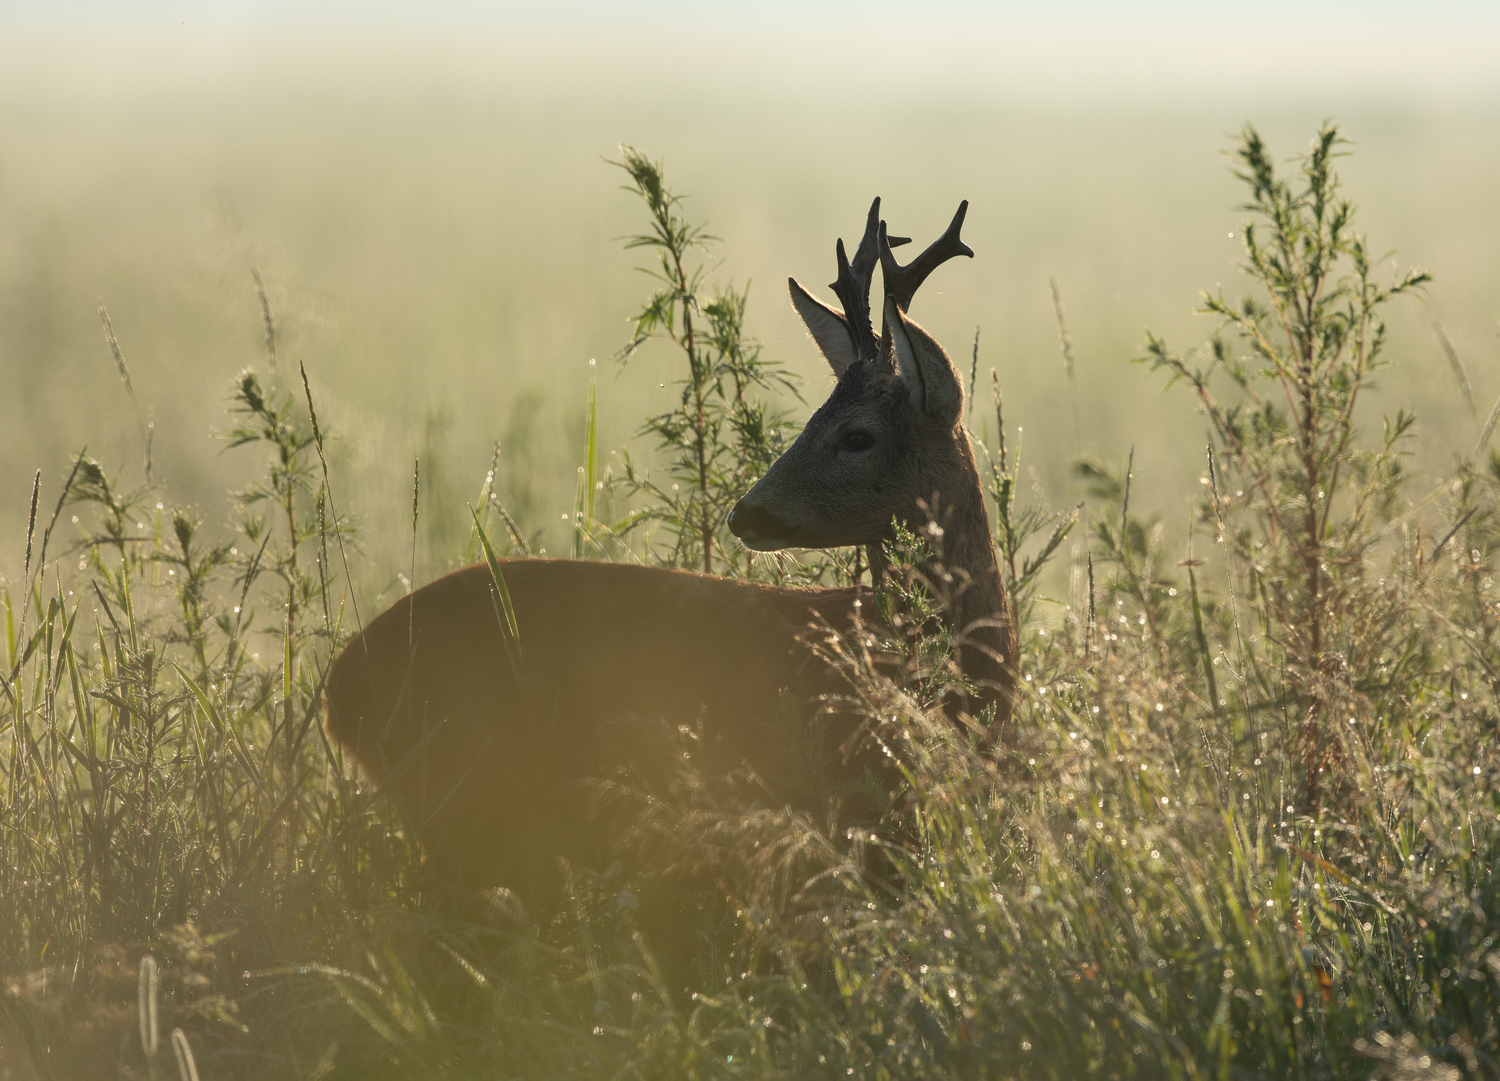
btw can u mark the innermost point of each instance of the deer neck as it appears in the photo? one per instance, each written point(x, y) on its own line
point(965, 573)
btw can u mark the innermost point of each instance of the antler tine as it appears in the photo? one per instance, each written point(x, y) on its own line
point(854, 280)
point(902, 282)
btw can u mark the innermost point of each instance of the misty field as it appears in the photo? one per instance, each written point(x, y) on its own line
point(1246, 822)
point(446, 266)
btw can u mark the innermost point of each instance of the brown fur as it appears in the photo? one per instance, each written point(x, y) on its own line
point(486, 756)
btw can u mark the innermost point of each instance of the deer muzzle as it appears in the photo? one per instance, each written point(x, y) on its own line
point(757, 528)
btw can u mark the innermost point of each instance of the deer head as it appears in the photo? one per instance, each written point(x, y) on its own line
point(889, 443)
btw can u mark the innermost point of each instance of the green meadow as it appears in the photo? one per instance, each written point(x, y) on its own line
point(1246, 823)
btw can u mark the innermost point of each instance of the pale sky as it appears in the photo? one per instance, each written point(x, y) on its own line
point(1439, 48)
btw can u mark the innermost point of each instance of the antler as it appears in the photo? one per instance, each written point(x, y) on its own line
point(902, 282)
point(853, 285)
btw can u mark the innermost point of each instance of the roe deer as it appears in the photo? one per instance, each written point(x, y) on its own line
point(483, 739)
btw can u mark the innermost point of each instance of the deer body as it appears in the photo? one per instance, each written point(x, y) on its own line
point(485, 741)
point(486, 756)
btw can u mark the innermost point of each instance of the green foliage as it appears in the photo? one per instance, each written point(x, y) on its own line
point(1145, 882)
point(1016, 526)
point(163, 760)
point(716, 439)
point(1303, 504)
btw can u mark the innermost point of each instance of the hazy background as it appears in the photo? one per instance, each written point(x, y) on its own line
point(423, 190)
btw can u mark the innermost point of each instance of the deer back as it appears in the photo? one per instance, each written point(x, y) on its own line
point(483, 740)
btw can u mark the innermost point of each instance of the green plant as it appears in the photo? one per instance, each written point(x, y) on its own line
point(1302, 502)
point(717, 439)
point(1016, 526)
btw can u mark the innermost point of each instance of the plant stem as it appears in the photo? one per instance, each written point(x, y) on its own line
point(700, 450)
point(289, 677)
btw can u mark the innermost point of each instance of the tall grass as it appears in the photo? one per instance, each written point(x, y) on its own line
point(1248, 827)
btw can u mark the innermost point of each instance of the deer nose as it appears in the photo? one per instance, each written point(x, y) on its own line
point(749, 522)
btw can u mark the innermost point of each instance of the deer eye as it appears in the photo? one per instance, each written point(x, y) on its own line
point(858, 441)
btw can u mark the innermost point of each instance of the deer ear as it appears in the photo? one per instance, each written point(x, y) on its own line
point(828, 327)
point(929, 375)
